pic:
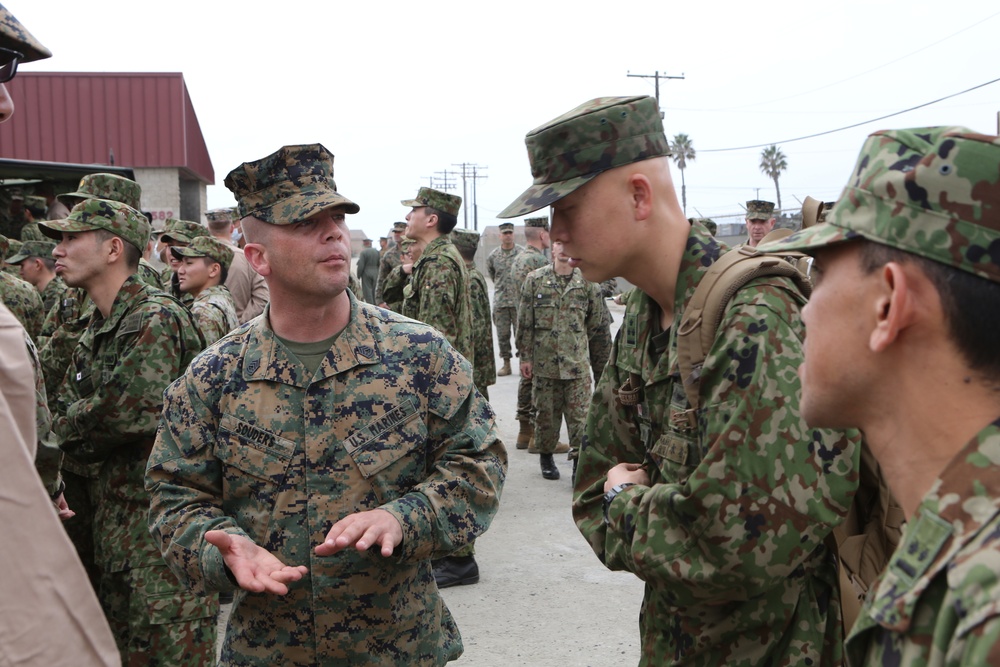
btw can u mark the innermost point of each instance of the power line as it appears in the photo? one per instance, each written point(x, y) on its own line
point(849, 127)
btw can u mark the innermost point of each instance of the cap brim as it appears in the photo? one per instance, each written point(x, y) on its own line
point(17, 259)
point(54, 228)
point(415, 203)
point(545, 194)
point(185, 251)
point(812, 238)
point(299, 207)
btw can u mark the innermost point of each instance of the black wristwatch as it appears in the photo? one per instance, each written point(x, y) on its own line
point(610, 496)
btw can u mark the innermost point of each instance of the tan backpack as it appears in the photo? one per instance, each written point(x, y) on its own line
point(865, 540)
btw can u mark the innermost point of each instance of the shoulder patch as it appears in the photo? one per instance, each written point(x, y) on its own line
point(130, 324)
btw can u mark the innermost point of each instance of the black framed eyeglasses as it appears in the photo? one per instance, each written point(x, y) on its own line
point(10, 59)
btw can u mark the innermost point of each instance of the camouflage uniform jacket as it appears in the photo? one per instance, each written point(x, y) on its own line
point(51, 295)
point(390, 259)
point(499, 264)
point(438, 294)
point(938, 600)
point(109, 409)
point(530, 260)
point(215, 313)
point(254, 444)
point(392, 292)
point(484, 366)
point(562, 331)
point(729, 536)
point(24, 301)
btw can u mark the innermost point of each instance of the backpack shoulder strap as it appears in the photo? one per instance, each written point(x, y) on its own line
point(705, 310)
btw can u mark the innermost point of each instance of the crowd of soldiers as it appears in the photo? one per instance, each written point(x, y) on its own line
point(329, 462)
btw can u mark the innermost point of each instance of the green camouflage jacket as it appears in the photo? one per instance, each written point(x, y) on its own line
point(484, 366)
point(562, 331)
point(109, 409)
point(51, 295)
point(499, 264)
point(392, 292)
point(24, 301)
point(391, 258)
point(215, 313)
point(729, 537)
point(531, 259)
point(438, 294)
point(255, 444)
point(938, 600)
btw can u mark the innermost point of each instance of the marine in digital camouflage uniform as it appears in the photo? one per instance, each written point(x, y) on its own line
point(389, 260)
point(138, 341)
point(759, 221)
point(321, 460)
point(906, 272)
point(438, 292)
point(536, 231)
point(484, 364)
point(563, 335)
point(723, 512)
point(505, 292)
point(213, 307)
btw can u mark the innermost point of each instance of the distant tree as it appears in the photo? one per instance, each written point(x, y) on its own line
point(682, 151)
point(772, 163)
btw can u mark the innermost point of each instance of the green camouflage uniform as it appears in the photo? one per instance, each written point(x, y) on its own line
point(112, 401)
point(729, 536)
point(438, 294)
point(562, 331)
point(932, 192)
point(215, 313)
point(24, 301)
point(505, 295)
point(485, 364)
point(393, 287)
point(531, 259)
point(51, 295)
point(255, 444)
point(391, 259)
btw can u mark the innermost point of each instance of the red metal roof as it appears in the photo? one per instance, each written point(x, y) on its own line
point(143, 119)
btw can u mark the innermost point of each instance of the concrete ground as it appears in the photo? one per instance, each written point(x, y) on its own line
point(543, 598)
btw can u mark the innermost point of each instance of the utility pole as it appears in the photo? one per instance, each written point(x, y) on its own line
point(476, 175)
point(468, 171)
point(444, 184)
point(657, 76)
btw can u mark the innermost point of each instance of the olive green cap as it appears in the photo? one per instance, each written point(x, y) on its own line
point(758, 209)
point(465, 239)
point(206, 246)
point(107, 186)
point(441, 201)
point(184, 231)
point(33, 249)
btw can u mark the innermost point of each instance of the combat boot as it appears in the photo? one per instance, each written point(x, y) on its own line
point(526, 433)
point(561, 448)
point(549, 469)
point(505, 369)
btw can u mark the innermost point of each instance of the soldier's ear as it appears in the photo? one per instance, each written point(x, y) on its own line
point(256, 255)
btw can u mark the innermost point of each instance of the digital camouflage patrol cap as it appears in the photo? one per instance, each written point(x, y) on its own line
point(226, 214)
point(540, 223)
point(399, 227)
point(15, 37)
point(206, 246)
point(931, 191)
point(107, 186)
point(758, 209)
point(184, 231)
point(118, 218)
point(506, 227)
point(436, 199)
point(289, 185)
point(465, 239)
point(33, 249)
point(574, 148)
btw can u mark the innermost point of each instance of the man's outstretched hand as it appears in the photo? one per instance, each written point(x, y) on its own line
point(256, 569)
point(363, 530)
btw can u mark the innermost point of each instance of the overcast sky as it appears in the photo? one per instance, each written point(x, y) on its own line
point(400, 91)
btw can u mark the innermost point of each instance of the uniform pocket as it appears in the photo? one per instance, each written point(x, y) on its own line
point(248, 450)
point(391, 452)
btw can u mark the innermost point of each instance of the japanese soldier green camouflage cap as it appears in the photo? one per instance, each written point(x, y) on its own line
point(206, 246)
point(33, 249)
point(465, 239)
point(115, 217)
point(436, 199)
point(14, 246)
point(574, 148)
point(399, 227)
point(184, 231)
point(758, 209)
point(506, 227)
point(931, 191)
point(288, 185)
point(542, 223)
point(13, 36)
point(107, 186)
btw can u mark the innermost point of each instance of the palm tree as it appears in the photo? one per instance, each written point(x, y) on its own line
point(772, 163)
point(682, 151)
